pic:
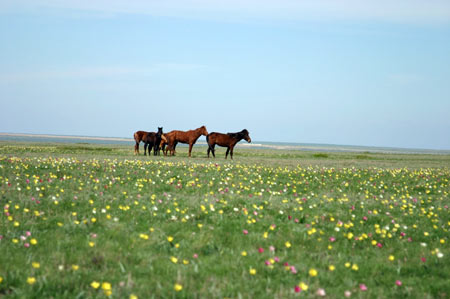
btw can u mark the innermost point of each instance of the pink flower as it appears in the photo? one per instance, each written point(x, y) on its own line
point(363, 287)
point(293, 270)
point(398, 282)
point(297, 289)
point(365, 218)
point(272, 249)
point(267, 263)
point(26, 245)
point(423, 259)
point(28, 233)
point(260, 250)
point(402, 234)
point(289, 217)
point(321, 292)
point(245, 232)
point(276, 259)
point(379, 245)
point(195, 255)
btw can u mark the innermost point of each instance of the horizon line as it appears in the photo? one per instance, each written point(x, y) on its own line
point(126, 139)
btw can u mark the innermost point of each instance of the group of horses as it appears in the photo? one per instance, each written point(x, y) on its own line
point(168, 141)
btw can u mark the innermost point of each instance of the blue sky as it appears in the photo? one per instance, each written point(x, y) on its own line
point(373, 73)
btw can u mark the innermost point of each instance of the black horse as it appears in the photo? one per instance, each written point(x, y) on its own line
point(153, 140)
point(228, 140)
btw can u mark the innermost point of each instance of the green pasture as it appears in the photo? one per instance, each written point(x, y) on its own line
point(95, 221)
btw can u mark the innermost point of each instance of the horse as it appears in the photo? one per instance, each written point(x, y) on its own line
point(228, 140)
point(141, 136)
point(188, 137)
point(153, 140)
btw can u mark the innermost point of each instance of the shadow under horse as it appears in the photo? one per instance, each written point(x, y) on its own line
point(228, 140)
point(188, 137)
point(150, 139)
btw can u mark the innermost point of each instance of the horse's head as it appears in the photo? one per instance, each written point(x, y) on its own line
point(203, 130)
point(246, 135)
point(159, 133)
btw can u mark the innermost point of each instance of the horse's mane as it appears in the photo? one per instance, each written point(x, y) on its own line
point(238, 135)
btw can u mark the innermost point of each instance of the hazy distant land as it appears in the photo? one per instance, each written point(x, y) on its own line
point(257, 144)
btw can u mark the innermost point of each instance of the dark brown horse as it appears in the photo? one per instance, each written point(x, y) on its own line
point(228, 140)
point(141, 136)
point(153, 140)
point(188, 137)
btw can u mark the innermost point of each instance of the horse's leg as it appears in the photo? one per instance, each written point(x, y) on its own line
point(136, 148)
point(231, 152)
point(213, 150)
point(190, 148)
point(209, 149)
point(226, 154)
point(145, 148)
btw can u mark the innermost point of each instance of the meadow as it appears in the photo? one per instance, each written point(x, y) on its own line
point(95, 221)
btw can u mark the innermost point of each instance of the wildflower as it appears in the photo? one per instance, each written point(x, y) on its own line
point(178, 287)
point(245, 232)
point(91, 244)
point(133, 296)
point(331, 268)
point(260, 250)
point(31, 280)
point(312, 272)
point(303, 286)
point(170, 238)
point(288, 244)
point(347, 265)
point(75, 267)
point(347, 294)
point(252, 271)
point(391, 258)
point(33, 241)
point(106, 286)
point(297, 289)
point(398, 282)
point(244, 253)
point(174, 259)
point(321, 292)
point(95, 284)
point(35, 265)
point(363, 287)
point(355, 267)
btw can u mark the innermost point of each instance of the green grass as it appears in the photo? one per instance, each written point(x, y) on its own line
point(100, 214)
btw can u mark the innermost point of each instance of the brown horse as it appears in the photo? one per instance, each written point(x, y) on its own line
point(228, 140)
point(142, 136)
point(189, 137)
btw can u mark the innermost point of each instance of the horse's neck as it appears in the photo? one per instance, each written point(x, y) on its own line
point(198, 132)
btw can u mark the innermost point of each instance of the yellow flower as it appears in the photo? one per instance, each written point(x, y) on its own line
point(75, 267)
point(33, 241)
point(178, 287)
point(355, 267)
point(244, 253)
point(185, 262)
point(91, 244)
point(106, 286)
point(133, 296)
point(312, 272)
point(303, 286)
point(252, 271)
point(288, 244)
point(95, 284)
point(347, 265)
point(170, 238)
point(1, 279)
point(31, 280)
point(174, 259)
point(391, 258)
point(331, 268)
point(35, 265)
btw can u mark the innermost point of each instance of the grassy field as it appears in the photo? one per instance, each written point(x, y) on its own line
point(94, 221)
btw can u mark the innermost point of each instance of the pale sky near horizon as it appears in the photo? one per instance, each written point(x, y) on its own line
point(373, 73)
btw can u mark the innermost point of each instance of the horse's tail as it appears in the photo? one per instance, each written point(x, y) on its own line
point(207, 139)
